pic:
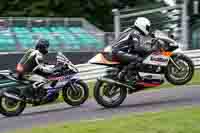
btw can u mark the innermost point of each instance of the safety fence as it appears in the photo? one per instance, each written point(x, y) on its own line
point(91, 72)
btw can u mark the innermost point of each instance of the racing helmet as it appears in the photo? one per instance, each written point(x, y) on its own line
point(143, 24)
point(42, 45)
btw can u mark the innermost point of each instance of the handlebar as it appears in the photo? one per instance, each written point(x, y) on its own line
point(73, 67)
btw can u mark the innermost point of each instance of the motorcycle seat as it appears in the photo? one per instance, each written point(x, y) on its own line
point(110, 56)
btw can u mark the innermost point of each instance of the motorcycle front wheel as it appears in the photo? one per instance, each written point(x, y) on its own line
point(109, 95)
point(75, 93)
point(182, 75)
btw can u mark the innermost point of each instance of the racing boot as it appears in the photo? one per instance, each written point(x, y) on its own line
point(127, 77)
point(122, 74)
point(131, 78)
point(37, 86)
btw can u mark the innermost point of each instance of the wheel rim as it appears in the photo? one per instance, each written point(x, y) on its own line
point(76, 96)
point(10, 105)
point(183, 73)
point(110, 94)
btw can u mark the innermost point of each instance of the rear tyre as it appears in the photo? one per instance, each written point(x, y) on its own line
point(10, 107)
point(106, 91)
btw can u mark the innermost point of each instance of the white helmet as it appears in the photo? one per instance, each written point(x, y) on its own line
point(143, 24)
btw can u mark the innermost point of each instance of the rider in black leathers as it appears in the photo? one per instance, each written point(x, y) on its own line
point(130, 48)
point(32, 67)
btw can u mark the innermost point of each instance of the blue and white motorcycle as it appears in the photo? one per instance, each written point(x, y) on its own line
point(15, 94)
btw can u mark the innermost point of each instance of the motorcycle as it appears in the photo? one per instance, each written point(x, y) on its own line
point(167, 63)
point(15, 94)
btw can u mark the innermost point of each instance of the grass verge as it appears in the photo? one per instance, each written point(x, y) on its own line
point(184, 120)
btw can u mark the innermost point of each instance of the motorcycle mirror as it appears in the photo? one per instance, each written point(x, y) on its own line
point(152, 34)
point(172, 36)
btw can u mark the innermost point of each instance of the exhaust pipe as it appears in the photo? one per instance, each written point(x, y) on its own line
point(12, 96)
point(114, 82)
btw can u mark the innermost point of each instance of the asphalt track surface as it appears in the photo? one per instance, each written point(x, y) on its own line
point(146, 101)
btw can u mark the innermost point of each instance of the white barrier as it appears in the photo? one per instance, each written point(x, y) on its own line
point(91, 71)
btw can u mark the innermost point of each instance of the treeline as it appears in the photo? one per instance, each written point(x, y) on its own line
point(97, 12)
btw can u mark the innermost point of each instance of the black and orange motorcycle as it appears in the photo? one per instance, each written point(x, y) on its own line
point(167, 64)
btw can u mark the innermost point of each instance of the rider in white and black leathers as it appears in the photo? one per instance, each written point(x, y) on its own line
point(130, 48)
point(32, 67)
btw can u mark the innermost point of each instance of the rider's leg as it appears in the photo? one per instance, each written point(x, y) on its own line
point(133, 60)
point(38, 82)
point(132, 70)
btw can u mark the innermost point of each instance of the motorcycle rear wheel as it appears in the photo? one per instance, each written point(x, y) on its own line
point(106, 93)
point(10, 107)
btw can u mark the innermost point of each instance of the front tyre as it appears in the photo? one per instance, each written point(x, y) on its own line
point(109, 95)
point(182, 76)
point(10, 107)
point(75, 93)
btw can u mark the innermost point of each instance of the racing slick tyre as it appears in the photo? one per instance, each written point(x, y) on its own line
point(105, 92)
point(182, 76)
point(11, 107)
point(76, 93)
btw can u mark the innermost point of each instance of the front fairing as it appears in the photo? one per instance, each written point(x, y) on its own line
point(63, 80)
point(63, 60)
point(164, 37)
point(178, 50)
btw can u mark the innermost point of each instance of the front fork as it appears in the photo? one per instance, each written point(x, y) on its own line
point(71, 83)
point(177, 51)
point(176, 66)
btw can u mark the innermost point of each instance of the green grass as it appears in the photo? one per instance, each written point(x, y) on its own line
point(184, 120)
point(195, 81)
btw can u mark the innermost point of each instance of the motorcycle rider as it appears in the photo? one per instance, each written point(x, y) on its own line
point(32, 67)
point(130, 48)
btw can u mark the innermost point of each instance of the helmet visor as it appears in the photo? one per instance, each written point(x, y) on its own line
point(148, 28)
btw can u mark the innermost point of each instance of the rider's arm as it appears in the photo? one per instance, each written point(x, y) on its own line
point(136, 44)
point(41, 66)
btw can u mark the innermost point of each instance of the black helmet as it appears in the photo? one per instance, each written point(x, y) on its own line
point(42, 45)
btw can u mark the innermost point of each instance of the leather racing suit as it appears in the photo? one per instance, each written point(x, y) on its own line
point(131, 48)
point(32, 67)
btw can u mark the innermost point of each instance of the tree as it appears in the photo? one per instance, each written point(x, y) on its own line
point(97, 12)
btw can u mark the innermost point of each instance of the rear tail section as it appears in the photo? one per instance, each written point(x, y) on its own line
point(102, 60)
